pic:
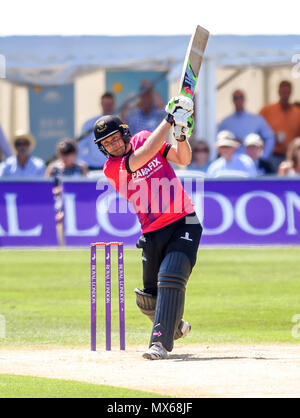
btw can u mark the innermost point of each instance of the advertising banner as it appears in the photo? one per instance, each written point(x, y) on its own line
point(252, 212)
point(27, 215)
point(246, 212)
point(232, 212)
point(88, 217)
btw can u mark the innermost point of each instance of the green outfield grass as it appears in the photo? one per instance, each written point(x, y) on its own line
point(233, 296)
point(35, 387)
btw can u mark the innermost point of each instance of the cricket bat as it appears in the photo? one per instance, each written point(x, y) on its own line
point(193, 61)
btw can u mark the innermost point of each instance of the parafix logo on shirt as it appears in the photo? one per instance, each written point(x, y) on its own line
point(148, 169)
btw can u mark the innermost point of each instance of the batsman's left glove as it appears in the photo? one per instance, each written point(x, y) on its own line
point(183, 125)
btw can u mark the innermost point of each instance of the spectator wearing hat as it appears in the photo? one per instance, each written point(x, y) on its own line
point(200, 156)
point(22, 165)
point(291, 166)
point(255, 147)
point(149, 113)
point(241, 123)
point(5, 150)
point(66, 163)
point(284, 119)
point(87, 150)
point(230, 163)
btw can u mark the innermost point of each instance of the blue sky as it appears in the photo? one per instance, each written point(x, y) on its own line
point(121, 17)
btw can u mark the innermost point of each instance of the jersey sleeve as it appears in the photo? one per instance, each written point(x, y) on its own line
point(165, 149)
point(127, 165)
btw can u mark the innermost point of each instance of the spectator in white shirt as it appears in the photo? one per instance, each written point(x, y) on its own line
point(22, 165)
point(230, 163)
point(255, 147)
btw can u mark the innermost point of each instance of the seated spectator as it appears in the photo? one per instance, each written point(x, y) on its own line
point(255, 148)
point(284, 119)
point(5, 150)
point(22, 165)
point(148, 115)
point(230, 163)
point(66, 164)
point(87, 150)
point(291, 166)
point(242, 123)
point(200, 156)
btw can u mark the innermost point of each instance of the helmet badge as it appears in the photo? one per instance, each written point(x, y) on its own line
point(101, 126)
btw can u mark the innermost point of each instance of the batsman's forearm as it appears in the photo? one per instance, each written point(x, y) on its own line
point(157, 138)
point(151, 147)
point(184, 153)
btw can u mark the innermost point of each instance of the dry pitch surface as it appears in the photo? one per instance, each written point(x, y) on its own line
point(191, 371)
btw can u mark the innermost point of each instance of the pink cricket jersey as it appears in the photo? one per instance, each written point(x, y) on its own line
point(154, 190)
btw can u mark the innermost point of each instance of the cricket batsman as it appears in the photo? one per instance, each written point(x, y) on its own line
point(139, 168)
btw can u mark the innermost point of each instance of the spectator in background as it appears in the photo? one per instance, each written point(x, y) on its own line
point(284, 119)
point(87, 150)
point(22, 165)
point(5, 150)
point(200, 156)
point(66, 164)
point(230, 163)
point(149, 113)
point(242, 123)
point(291, 166)
point(255, 147)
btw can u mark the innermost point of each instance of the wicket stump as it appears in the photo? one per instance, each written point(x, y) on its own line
point(121, 287)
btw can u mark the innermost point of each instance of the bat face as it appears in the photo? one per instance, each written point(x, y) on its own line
point(188, 86)
point(193, 61)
